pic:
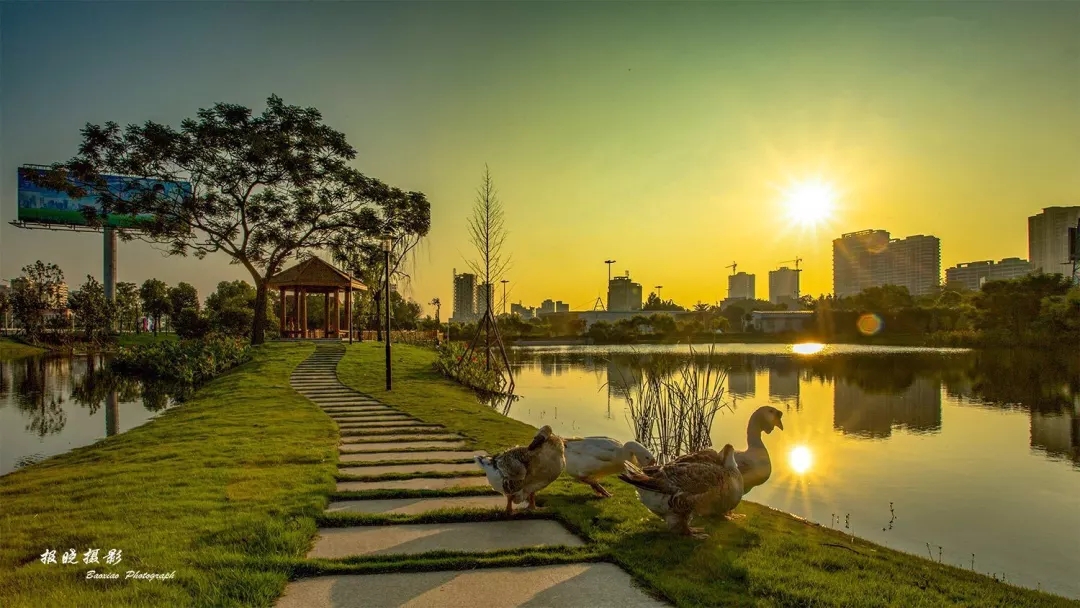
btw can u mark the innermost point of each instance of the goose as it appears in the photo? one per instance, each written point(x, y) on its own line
point(589, 459)
point(754, 462)
point(520, 472)
point(678, 491)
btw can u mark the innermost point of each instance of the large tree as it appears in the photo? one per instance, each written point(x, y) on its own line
point(93, 311)
point(263, 187)
point(182, 297)
point(128, 307)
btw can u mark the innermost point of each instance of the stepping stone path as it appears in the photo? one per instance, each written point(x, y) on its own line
point(378, 440)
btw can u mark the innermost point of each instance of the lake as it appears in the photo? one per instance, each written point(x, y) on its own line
point(52, 404)
point(963, 456)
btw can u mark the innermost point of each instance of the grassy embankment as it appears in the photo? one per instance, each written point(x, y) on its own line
point(13, 349)
point(767, 558)
point(224, 490)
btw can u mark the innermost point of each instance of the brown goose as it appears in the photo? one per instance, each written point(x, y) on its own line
point(520, 472)
point(678, 491)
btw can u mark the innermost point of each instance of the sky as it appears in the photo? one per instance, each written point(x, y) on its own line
point(663, 136)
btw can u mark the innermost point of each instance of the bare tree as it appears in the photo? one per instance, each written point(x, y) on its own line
point(487, 233)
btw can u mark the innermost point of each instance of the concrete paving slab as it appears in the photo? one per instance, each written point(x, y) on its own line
point(341, 419)
point(596, 585)
point(397, 446)
point(433, 467)
point(418, 483)
point(428, 455)
point(416, 424)
point(380, 433)
point(368, 439)
point(335, 543)
point(412, 506)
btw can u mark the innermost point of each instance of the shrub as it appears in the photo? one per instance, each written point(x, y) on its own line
point(472, 371)
point(190, 324)
point(189, 362)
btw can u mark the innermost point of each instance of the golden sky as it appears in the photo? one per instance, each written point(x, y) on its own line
point(658, 135)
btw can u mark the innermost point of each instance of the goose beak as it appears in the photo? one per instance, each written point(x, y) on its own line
point(779, 424)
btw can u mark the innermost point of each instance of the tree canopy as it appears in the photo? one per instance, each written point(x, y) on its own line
point(263, 187)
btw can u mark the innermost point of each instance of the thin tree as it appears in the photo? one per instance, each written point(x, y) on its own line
point(258, 188)
point(487, 233)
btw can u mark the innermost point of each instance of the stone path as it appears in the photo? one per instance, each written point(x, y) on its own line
point(377, 440)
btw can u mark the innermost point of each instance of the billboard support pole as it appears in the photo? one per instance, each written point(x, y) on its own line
point(109, 273)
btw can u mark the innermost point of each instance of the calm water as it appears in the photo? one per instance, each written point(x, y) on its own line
point(978, 452)
point(50, 405)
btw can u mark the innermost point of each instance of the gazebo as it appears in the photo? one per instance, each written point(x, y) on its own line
point(312, 276)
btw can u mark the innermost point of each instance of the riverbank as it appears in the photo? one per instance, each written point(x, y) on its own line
point(768, 557)
point(738, 338)
point(224, 491)
point(13, 349)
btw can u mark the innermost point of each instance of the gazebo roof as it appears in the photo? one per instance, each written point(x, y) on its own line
point(314, 272)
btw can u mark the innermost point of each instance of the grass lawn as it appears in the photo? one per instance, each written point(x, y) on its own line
point(13, 349)
point(224, 490)
point(769, 558)
point(143, 339)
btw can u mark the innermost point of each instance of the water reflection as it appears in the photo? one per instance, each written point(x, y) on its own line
point(932, 433)
point(51, 404)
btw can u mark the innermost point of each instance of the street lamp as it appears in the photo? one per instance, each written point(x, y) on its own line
point(387, 244)
point(504, 282)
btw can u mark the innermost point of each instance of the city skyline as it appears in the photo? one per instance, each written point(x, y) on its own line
point(672, 154)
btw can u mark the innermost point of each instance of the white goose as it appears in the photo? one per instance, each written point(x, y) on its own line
point(589, 459)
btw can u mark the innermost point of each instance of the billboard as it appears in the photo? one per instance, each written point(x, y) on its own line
point(39, 205)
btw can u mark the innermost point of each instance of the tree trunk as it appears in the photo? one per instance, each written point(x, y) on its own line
point(157, 322)
point(258, 325)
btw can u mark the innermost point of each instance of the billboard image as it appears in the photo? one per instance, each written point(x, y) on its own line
point(39, 205)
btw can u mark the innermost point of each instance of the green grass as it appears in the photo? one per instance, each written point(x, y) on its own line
point(143, 339)
point(13, 349)
point(225, 490)
point(769, 558)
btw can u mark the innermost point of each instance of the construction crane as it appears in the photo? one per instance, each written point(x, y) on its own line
point(796, 260)
point(732, 267)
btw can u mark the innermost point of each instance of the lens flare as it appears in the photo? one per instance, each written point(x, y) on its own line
point(869, 324)
point(808, 348)
point(801, 459)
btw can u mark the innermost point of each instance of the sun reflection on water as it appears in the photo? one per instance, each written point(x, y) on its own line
point(801, 459)
point(808, 348)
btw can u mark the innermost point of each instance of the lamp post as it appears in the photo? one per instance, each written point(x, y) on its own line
point(387, 244)
point(504, 282)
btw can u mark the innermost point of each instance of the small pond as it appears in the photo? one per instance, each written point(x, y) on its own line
point(51, 404)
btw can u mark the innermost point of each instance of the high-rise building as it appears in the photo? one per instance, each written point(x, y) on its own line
point(971, 275)
point(623, 295)
point(915, 263)
point(464, 298)
point(560, 306)
point(784, 286)
point(547, 307)
point(1048, 239)
point(485, 292)
point(871, 259)
point(57, 300)
point(741, 287)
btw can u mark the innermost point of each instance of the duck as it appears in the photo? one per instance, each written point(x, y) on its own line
point(588, 459)
point(678, 491)
point(754, 462)
point(520, 472)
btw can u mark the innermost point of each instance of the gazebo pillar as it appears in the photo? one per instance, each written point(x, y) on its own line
point(301, 317)
point(296, 312)
point(281, 318)
point(326, 314)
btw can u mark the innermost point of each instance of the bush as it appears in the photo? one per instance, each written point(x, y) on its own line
point(472, 371)
point(190, 324)
point(189, 362)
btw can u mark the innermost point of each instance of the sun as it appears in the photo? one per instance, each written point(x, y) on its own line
point(801, 459)
point(810, 202)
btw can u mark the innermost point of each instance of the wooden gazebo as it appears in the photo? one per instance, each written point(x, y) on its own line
point(313, 276)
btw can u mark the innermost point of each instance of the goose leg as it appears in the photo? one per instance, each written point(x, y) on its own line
point(532, 500)
point(509, 506)
point(599, 489)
